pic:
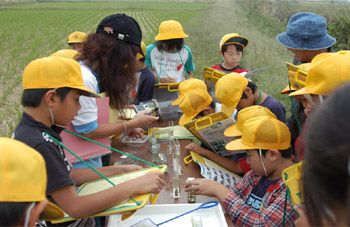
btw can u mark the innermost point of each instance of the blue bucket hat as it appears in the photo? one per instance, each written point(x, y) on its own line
point(306, 31)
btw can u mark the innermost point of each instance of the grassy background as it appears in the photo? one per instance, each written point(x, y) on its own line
point(36, 28)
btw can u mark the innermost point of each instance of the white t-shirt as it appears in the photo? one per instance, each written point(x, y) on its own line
point(86, 120)
point(170, 64)
point(218, 109)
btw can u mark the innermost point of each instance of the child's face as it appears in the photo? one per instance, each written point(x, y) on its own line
point(246, 102)
point(308, 106)
point(65, 111)
point(253, 159)
point(77, 46)
point(232, 57)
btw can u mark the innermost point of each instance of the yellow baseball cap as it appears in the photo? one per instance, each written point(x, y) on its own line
point(170, 29)
point(23, 176)
point(192, 103)
point(77, 37)
point(297, 77)
point(233, 38)
point(66, 53)
point(55, 72)
point(262, 133)
point(229, 90)
point(292, 177)
point(188, 85)
point(245, 114)
point(143, 49)
point(327, 72)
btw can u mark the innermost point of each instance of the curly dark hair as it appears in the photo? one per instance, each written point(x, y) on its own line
point(114, 62)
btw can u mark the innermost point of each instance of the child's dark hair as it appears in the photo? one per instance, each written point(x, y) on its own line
point(326, 184)
point(252, 86)
point(170, 44)
point(201, 114)
point(239, 48)
point(11, 213)
point(287, 153)
point(32, 97)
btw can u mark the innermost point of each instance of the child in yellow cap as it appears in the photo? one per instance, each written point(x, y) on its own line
point(259, 198)
point(231, 50)
point(52, 87)
point(76, 40)
point(169, 58)
point(23, 184)
point(235, 91)
point(237, 163)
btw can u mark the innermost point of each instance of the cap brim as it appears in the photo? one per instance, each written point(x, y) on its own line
point(228, 110)
point(176, 102)
point(51, 212)
point(237, 145)
point(232, 131)
point(286, 90)
point(86, 92)
point(185, 119)
point(302, 91)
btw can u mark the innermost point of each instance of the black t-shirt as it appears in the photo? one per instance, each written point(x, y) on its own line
point(33, 133)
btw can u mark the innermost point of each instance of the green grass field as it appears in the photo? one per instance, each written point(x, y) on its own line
point(33, 29)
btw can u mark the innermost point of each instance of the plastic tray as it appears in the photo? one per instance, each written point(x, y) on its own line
point(134, 142)
point(158, 213)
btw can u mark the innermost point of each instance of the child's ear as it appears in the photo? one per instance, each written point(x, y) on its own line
point(36, 211)
point(207, 110)
point(248, 91)
point(273, 155)
point(50, 97)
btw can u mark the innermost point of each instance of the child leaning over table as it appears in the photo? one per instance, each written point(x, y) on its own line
point(259, 198)
point(52, 87)
point(231, 50)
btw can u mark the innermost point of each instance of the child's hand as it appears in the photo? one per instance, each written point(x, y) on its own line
point(135, 132)
point(150, 183)
point(197, 149)
point(203, 186)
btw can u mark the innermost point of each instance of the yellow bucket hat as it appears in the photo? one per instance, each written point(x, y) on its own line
point(66, 53)
point(192, 103)
point(23, 176)
point(55, 72)
point(262, 133)
point(77, 37)
point(233, 38)
point(189, 85)
point(170, 29)
point(327, 72)
point(292, 177)
point(245, 114)
point(297, 77)
point(229, 90)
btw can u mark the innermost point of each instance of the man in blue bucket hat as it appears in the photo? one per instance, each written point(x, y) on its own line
point(306, 36)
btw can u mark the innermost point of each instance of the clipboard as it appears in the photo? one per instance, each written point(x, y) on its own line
point(213, 171)
point(210, 131)
point(126, 205)
point(165, 91)
point(212, 75)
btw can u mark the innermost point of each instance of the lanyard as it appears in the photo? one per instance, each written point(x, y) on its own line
point(257, 103)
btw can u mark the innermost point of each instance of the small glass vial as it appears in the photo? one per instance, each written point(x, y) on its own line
point(191, 197)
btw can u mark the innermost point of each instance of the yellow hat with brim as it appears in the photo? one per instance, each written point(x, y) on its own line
point(188, 85)
point(55, 72)
point(24, 179)
point(66, 53)
point(192, 103)
point(233, 38)
point(292, 177)
point(262, 133)
point(77, 37)
point(327, 72)
point(288, 90)
point(170, 29)
point(246, 114)
point(229, 90)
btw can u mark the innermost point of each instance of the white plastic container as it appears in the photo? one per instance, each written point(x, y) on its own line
point(210, 217)
point(134, 142)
